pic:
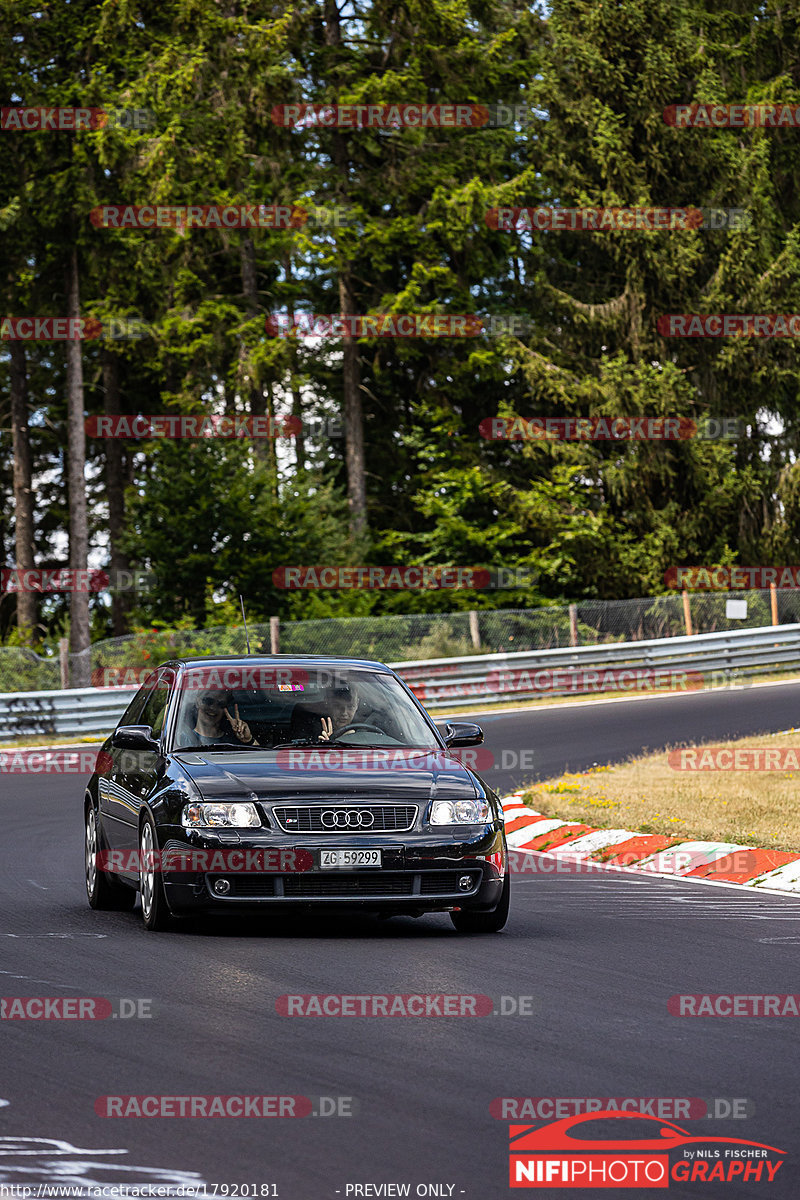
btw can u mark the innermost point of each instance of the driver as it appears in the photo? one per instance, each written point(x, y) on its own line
point(343, 700)
point(214, 722)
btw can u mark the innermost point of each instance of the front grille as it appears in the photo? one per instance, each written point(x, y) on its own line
point(363, 818)
point(362, 884)
point(344, 885)
point(445, 883)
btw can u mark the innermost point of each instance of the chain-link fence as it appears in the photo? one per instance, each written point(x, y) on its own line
point(124, 660)
point(22, 670)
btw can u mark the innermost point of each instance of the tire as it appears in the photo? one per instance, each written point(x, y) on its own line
point(485, 922)
point(155, 910)
point(102, 891)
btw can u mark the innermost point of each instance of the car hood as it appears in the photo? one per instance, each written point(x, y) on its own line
point(222, 775)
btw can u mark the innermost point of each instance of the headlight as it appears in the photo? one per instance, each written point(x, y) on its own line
point(459, 812)
point(232, 816)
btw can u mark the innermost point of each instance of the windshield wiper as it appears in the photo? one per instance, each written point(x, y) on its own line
point(218, 746)
point(304, 743)
point(341, 745)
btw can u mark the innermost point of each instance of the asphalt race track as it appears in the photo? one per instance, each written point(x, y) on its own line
point(598, 956)
point(576, 736)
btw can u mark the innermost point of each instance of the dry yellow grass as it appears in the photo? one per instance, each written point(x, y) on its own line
point(647, 795)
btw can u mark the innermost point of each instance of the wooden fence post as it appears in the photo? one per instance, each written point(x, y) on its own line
point(687, 614)
point(474, 631)
point(63, 659)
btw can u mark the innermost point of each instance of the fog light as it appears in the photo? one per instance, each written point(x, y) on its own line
point(465, 883)
point(222, 887)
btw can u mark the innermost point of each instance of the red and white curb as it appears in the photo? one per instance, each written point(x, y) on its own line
point(568, 844)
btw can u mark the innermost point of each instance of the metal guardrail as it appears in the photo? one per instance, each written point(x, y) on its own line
point(619, 666)
point(62, 714)
point(666, 664)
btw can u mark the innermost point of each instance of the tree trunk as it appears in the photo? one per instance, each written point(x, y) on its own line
point(297, 412)
point(353, 421)
point(23, 491)
point(297, 395)
point(264, 448)
point(351, 375)
point(79, 637)
point(115, 491)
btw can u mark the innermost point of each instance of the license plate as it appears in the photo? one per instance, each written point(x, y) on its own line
point(329, 859)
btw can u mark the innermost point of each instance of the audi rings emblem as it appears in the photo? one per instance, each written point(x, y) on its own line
point(347, 818)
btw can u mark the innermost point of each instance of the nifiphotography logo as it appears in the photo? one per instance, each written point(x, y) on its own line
point(604, 1150)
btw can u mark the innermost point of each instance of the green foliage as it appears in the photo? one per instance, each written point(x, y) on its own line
point(212, 519)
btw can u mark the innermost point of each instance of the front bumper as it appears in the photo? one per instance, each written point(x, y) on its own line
point(420, 872)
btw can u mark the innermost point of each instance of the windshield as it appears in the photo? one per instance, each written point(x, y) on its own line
point(296, 705)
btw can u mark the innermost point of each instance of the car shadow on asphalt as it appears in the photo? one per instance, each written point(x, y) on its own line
point(331, 926)
point(285, 925)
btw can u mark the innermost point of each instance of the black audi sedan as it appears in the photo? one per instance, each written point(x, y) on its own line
point(236, 784)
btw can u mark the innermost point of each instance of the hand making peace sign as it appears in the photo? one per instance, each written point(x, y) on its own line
point(327, 729)
point(240, 727)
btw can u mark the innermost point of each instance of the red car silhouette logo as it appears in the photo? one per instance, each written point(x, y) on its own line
point(666, 1136)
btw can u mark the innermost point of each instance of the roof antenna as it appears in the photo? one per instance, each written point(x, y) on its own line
point(244, 618)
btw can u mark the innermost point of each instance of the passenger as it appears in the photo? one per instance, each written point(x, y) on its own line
point(215, 724)
point(307, 725)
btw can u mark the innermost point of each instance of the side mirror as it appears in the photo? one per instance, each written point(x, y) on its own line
point(463, 734)
point(135, 737)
